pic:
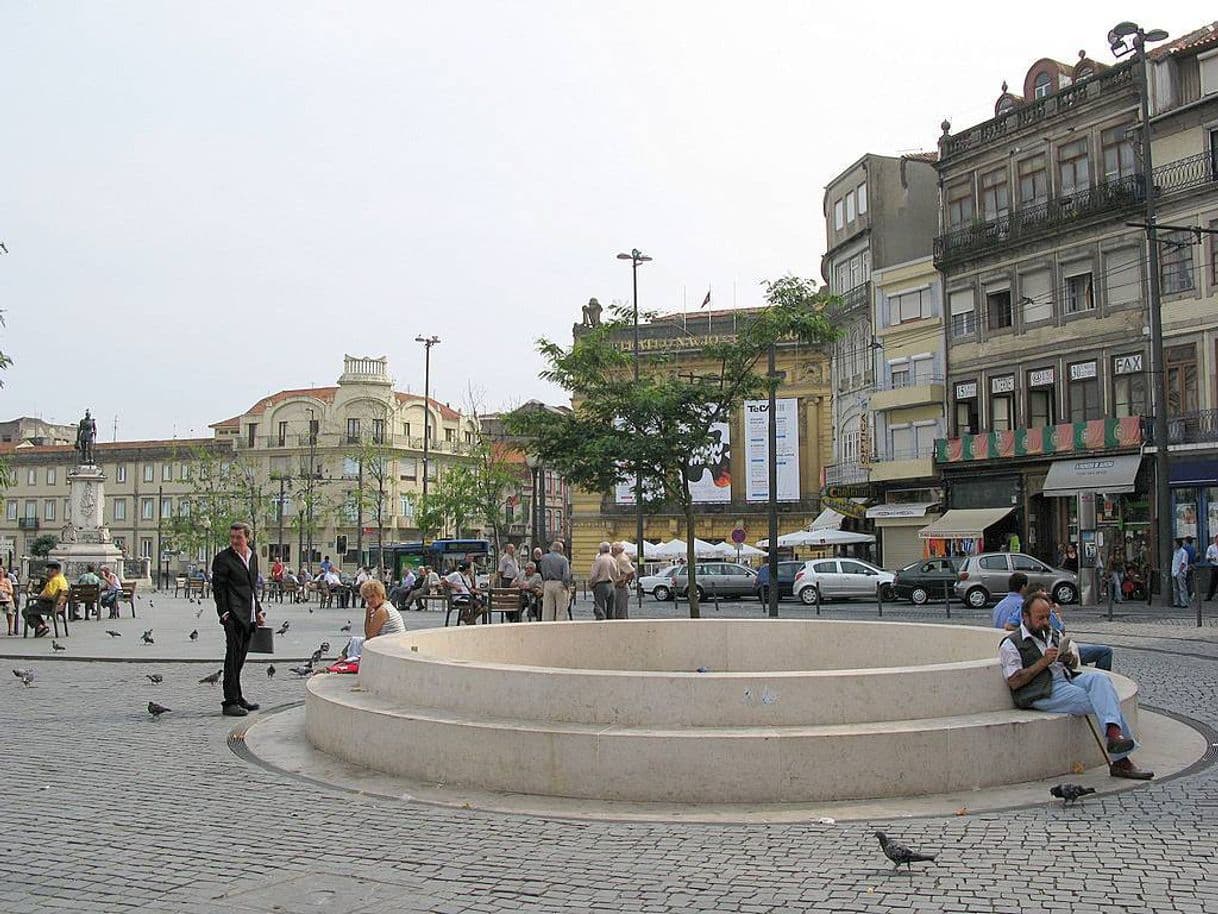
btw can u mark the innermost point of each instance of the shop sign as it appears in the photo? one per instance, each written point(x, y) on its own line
point(844, 506)
point(1081, 371)
point(966, 390)
point(1003, 385)
point(1042, 377)
point(1127, 364)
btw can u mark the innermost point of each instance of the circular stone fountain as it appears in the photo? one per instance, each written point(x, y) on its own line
point(783, 712)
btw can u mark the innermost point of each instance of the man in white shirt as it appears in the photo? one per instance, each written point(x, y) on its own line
point(509, 570)
point(1211, 559)
point(1043, 679)
point(1179, 576)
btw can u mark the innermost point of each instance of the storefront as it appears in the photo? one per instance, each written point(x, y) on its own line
point(965, 531)
point(897, 526)
point(1194, 492)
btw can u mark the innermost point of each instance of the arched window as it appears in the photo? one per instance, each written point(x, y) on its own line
point(1043, 85)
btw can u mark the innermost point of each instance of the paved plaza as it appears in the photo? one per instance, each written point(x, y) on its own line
point(107, 810)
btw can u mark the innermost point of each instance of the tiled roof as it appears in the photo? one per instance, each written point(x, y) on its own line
point(444, 409)
point(1196, 40)
point(326, 395)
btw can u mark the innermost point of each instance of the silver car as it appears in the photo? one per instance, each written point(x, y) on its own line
point(984, 578)
point(724, 579)
point(839, 578)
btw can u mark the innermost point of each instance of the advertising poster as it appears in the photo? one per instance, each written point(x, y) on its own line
point(757, 451)
point(709, 472)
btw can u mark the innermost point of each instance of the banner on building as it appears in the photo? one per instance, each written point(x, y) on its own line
point(709, 471)
point(757, 448)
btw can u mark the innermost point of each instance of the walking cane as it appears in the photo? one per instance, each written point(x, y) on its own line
point(1099, 742)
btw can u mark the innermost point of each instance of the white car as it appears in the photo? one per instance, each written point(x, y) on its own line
point(659, 585)
point(839, 578)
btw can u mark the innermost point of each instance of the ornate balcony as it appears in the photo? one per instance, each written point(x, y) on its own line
point(1199, 427)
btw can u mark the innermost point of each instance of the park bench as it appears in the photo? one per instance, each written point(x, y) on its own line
point(179, 585)
point(505, 601)
point(86, 595)
point(60, 611)
point(128, 596)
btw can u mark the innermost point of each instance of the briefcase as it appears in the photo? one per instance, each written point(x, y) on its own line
point(262, 641)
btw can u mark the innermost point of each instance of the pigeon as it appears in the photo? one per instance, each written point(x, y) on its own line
point(56, 646)
point(199, 613)
point(147, 637)
point(316, 657)
point(21, 674)
point(152, 605)
point(28, 679)
point(310, 609)
point(1069, 793)
point(270, 670)
point(194, 636)
point(325, 646)
point(347, 627)
point(283, 629)
point(212, 678)
point(156, 710)
point(154, 678)
point(899, 853)
point(114, 634)
point(303, 671)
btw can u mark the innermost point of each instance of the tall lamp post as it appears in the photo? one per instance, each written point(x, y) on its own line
point(1124, 39)
point(428, 342)
point(772, 378)
point(637, 257)
point(533, 462)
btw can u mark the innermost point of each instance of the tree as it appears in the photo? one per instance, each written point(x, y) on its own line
point(211, 505)
point(492, 474)
point(618, 427)
point(454, 497)
point(42, 546)
point(375, 467)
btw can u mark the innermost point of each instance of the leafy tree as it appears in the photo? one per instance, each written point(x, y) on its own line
point(619, 427)
point(42, 546)
point(375, 464)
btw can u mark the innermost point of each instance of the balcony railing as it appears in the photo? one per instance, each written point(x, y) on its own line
point(858, 297)
point(1199, 427)
point(27, 523)
point(324, 440)
point(1116, 79)
point(918, 452)
point(1184, 174)
point(912, 380)
point(842, 474)
point(1039, 219)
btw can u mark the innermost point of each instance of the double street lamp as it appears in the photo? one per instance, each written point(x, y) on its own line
point(637, 257)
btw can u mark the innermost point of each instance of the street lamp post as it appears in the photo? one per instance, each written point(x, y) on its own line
point(637, 257)
point(428, 342)
point(772, 473)
point(1130, 38)
point(533, 462)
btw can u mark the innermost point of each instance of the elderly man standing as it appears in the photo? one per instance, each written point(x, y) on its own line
point(622, 581)
point(555, 579)
point(509, 570)
point(600, 579)
point(1040, 677)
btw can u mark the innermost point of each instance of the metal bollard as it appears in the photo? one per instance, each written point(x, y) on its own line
point(1197, 597)
point(879, 599)
point(1151, 577)
point(947, 598)
point(1110, 598)
point(715, 597)
point(816, 590)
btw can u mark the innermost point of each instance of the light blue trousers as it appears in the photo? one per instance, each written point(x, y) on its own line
point(1088, 693)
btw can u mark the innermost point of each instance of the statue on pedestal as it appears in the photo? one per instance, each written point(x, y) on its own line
point(592, 313)
point(86, 436)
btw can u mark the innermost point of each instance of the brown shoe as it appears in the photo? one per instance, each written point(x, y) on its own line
point(1126, 769)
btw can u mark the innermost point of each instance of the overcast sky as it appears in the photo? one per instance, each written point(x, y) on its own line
point(205, 203)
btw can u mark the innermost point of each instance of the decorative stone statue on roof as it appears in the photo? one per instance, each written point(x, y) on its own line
point(592, 313)
point(86, 436)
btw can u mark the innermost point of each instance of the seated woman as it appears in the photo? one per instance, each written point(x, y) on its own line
point(111, 590)
point(380, 618)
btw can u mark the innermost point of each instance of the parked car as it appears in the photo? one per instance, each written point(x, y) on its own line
point(786, 580)
point(659, 585)
point(983, 578)
point(926, 579)
point(835, 579)
point(725, 579)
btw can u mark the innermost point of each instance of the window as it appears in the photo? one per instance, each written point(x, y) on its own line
point(1176, 262)
point(1042, 86)
point(839, 215)
point(1033, 180)
point(1027, 563)
point(314, 428)
point(282, 438)
point(184, 507)
point(1080, 293)
point(1002, 403)
point(31, 510)
point(406, 429)
point(1042, 397)
point(963, 321)
point(861, 192)
point(909, 306)
point(899, 373)
point(1072, 168)
point(146, 547)
point(1084, 392)
point(995, 198)
point(959, 204)
point(166, 472)
point(10, 510)
point(120, 473)
point(409, 467)
point(923, 369)
point(850, 213)
point(119, 512)
point(149, 472)
point(1214, 226)
point(1123, 277)
point(901, 443)
point(1117, 153)
point(407, 506)
point(993, 562)
point(48, 509)
point(350, 467)
point(147, 509)
point(469, 437)
point(351, 508)
point(998, 309)
point(184, 471)
point(166, 507)
point(50, 476)
point(1181, 365)
point(353, 431)
point(1128, 386)
point(378, 431)
point(1036, 296)
point(967, 420)
point(251, 434)
point(450, 434)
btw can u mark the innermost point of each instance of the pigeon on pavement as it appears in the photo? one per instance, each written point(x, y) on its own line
point(56, 646)
point(194, 636)
point(28, 679)
point(316, 656)
point(147, 637)
point(156, 710)
point(199, 611)
point(113, 634)
point(899, 853)
point(154, 678)
point(270, 670)
point(283, 629)
point(21, 674)
point(152, 605)
point(212, 678)
point(1069, 793)
point(325, 646)
point(303, 671)
point(347, 627)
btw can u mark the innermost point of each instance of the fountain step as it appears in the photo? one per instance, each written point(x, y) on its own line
point(794, 763)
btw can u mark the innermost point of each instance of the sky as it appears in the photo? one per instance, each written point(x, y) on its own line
point(206, 203)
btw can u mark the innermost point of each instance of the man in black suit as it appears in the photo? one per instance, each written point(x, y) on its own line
point(234, 584)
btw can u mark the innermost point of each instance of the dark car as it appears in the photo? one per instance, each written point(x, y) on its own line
point(786, 580)
point(925, 579)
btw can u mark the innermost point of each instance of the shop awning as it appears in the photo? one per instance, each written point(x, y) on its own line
point(963, 523)
point(1198, 472)
point(882, 512)
point(1110, 475)
point(828, 519)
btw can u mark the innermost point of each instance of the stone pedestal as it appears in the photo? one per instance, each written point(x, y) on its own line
point(85, 539)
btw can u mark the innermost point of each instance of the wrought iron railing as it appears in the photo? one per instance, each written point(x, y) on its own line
point(1040, 219)
point(858, 297)
point(840, 474)
point(912, 380)
point(1198, 427)
point(1184, 174)
point(917, 452)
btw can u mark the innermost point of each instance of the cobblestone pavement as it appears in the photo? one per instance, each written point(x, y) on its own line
point(105, 809)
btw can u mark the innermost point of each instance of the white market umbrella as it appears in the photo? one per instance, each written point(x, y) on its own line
point(824, 537)
point(677, 549)
point(649, 549)
point(726, 550)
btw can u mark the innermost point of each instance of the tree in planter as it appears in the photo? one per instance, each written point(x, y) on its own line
point(655, 426)
point(42, 546)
